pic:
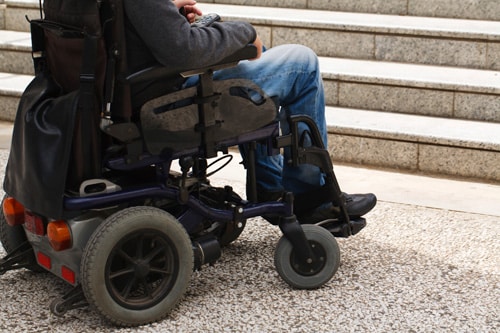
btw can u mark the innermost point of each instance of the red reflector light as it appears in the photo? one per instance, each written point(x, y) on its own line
point(13, 211)
point(44, 260)
point(68, 275)
point(34, 224)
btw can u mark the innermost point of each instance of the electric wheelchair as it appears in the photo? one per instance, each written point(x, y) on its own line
point(92, 194)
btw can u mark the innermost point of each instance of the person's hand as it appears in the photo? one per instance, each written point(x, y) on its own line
point(259, 45)
point(190, 9)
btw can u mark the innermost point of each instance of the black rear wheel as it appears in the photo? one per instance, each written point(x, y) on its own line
point(137, 266)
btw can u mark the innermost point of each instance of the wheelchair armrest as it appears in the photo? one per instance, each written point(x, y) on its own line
point(151, 74)
point(248, 52)
point(160, 72)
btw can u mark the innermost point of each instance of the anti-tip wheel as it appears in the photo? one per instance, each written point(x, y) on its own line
point(304, 275)
point(57, 307)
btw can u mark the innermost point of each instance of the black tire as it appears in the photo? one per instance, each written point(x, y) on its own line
point(56, 308)
point(12, 237)
point(302, 275)
point(137, 266)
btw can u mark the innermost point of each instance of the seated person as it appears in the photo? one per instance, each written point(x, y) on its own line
point(158, 32)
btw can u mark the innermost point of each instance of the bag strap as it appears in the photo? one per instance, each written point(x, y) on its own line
point(88, 71)
point(121, 108)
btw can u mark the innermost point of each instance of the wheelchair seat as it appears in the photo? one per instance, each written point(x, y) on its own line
point(172, 123)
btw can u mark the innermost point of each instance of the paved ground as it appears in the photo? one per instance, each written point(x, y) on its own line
point(428, 261)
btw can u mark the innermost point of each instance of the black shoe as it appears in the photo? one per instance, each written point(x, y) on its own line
point(357, 205)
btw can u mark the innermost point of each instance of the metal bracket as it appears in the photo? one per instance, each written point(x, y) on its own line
point(21, 257)
point(74, 299)
point(293, 231)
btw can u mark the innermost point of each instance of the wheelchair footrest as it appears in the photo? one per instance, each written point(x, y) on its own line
point(340, 229)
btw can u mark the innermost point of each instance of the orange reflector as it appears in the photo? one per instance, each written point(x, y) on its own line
point(59, 235)
point(13, 211)
point(68, 275)
point(44, 260)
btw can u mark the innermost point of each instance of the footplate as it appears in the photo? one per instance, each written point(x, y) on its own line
point(340, 229)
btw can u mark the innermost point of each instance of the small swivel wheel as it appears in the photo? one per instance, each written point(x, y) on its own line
point(309, 274)
point(137, 266)
point(57, 307)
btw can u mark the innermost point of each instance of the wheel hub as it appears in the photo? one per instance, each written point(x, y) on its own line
point(142, 269)
point(310, 266)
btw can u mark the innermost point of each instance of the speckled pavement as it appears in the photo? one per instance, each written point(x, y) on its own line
point(414, 268)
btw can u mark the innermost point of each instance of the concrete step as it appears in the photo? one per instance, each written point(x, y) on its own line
point(393, 186)
point(438, 41)
point(2, 15)
point(15, 55)
point(17, 11)
point(422, 144)
point(463, 9)
point(11, 89)
point(447, 92)
point(488, 10)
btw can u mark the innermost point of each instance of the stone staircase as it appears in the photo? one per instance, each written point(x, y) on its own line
point(411, 85)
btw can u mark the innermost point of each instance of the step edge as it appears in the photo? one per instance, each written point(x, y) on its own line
point(424, 129)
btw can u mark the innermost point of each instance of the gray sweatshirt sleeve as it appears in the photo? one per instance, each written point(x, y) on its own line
point(174, 43)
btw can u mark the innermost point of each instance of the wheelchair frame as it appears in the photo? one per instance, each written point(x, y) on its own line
point(147, 238)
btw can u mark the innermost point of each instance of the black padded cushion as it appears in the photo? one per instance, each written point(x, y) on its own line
point(169, 123)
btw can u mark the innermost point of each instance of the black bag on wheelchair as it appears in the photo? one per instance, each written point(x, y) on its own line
point(56, 139)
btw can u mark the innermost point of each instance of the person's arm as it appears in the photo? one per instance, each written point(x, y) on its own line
point(174, 43)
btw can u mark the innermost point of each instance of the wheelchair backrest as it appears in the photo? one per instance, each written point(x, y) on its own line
point(70, 37)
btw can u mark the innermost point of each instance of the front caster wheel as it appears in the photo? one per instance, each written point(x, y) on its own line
point(137, 266)
point(308, 275)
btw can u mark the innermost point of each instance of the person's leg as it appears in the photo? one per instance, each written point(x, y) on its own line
point(291, 74)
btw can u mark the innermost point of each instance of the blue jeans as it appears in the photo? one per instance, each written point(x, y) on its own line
point(291, 74)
